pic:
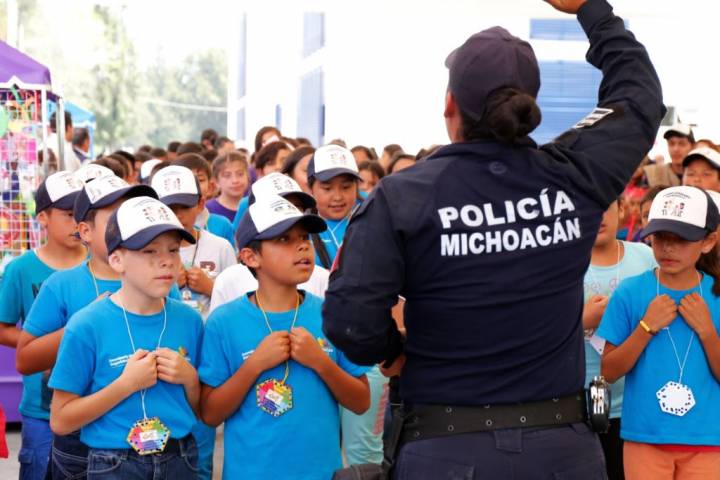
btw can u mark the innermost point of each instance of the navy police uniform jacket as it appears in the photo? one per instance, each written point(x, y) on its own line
point(489, 243)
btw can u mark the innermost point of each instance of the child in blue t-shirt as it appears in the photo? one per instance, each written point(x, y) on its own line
point(612, 261)
point(21, 282)
point(661, 332)
point(267, 369)
point(66, 292)
point(125, 373)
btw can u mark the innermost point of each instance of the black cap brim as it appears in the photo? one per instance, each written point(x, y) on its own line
point(128, 192)
point(143, 237)
point(184, 199)
point(327, 175)
point(691, 233)
point(697, 156)
point(312, 223)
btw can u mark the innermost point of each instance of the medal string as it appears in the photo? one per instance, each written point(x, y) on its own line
point(132, 344)
point(692, 335)
point(92, 275)
point(267, 322)
point(332, 231)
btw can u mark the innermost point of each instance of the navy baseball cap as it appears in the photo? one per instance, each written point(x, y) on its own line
point(138, 221)
point(276, 183)
point(688, 212)
point(272, 216)
point(487, 61)
point(176, 185)
point(330, 161)
point(59, 190)
point(104, 191)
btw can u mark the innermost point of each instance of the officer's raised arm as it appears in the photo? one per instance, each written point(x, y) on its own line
point(365, 286)
point(607, 145)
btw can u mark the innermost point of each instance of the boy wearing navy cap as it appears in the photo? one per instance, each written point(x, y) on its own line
point(125, 373)
point(237, 280)
point(267, 370)
point(21, 282)
point(209, 255)
point(701, 168)
point(68, 291)
point(333, 178)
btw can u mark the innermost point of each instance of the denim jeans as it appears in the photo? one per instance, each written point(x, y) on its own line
point(35, 449)
point(205, 440)
point(69, 457)
point(179, 461)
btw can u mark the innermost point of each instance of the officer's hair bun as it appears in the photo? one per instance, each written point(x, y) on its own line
point(510, 114)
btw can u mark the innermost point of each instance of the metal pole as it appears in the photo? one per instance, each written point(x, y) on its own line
point(60, 129)
point(44, 123)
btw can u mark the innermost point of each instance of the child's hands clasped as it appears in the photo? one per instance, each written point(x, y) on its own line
point(272, 351)
point(198, 281)
point(305, 349)
point(660, 313)
point(140, 371)
point(697, 315)
point(593, 311)
point(174, 368)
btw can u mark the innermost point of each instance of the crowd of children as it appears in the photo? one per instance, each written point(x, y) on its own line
point(181, 288)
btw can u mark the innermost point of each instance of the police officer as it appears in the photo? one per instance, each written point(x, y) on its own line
point(488, 240)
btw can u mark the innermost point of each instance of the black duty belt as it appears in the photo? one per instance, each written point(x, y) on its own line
point(430, 421)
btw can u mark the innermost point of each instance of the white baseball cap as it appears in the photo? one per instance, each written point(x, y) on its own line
point(104, 191)
point(147, 166)
point(271, 216)
point(706, 153)
point(276, 183)
point(91, 171)
point(176, 185)
point(330, 161)
point(59, 190)
point(688, 212)
point(679, 129)
point(138, 221)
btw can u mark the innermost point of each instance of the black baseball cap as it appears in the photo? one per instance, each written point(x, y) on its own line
point(488, 61)
point(59, 190)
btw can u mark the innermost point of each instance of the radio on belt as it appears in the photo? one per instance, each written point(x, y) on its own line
point(598, 394)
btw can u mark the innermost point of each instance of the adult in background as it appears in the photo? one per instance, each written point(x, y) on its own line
point(488, 240)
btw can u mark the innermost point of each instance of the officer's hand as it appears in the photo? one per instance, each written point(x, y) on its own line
point(395, 369)
point(306, 350)
point(660, 313)
point(272, 351)
point(198, 281)
point(566, 6)
point(593, 311)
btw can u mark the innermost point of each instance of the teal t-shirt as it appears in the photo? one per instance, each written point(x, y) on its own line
point(304, 442)
point(93, 353)
point(21, 283)
point(638, 258)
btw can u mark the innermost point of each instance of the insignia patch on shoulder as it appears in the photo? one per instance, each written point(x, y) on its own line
point(594, 117)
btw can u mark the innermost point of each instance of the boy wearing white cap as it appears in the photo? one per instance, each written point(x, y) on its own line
point(661, 332)
point(133, 391)
point(209, 255)
point(237, 280)
point(267, 369)
point(680, 141)
point(21, 282)
point(701, 168)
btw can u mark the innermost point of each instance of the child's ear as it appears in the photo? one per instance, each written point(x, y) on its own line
point(709, 242)
point(42, 218)
point(212, 187)
point(115, 260)
point(249, 257)
point(85, 231)
point(201, 204)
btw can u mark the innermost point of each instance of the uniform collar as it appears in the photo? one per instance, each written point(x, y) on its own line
point(479, 147)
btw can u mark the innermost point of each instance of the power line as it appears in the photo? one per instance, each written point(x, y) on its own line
point(186, 106)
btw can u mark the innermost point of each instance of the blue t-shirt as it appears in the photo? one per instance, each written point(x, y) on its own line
point(242, 208)
point(638, 258)
point(333, 237)
point(303, 443)
point(65, 293)
point(642, 418)
point(21, 283)
point(93, 354)
point(221, 226)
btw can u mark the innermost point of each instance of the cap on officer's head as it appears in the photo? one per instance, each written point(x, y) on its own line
point(270, 217)
point(276, 183)
point(104, 191)
point(138, 221)
point(688, 212)
point(59, 190)
point(176, 185)
point(488, 61)
point(331, 161)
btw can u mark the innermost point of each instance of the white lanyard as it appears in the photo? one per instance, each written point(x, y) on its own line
point(681, 366)
point(331, 231)
point(132, 343)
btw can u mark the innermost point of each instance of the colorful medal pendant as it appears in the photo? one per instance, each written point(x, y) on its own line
point(274, 397)
point(675, 398)
point(148, 435)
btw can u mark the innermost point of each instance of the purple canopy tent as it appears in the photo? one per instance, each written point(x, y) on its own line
point(25, 86)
